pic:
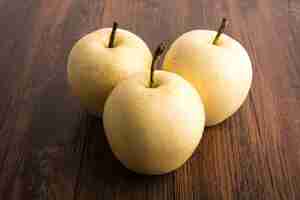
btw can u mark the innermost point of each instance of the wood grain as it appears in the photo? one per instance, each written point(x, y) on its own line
point(51, 148)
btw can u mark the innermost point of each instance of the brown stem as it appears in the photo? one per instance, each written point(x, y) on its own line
point(158, 52)
point(112, 35)
point(220, 30)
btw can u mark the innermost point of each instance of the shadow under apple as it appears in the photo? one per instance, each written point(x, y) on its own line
point(99, 170)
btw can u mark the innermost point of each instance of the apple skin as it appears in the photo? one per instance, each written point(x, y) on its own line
point(154, 130)
point(94, 69)
point(221, 73)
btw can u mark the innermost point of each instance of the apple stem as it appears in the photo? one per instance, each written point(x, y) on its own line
point(158, 52)
point(112, 35)
point(220, 30)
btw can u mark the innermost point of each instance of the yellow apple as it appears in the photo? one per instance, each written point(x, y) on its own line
point(154, 130)
point(94, 68)
point(221, 72)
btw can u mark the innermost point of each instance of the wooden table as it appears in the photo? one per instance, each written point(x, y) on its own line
point(50, 148)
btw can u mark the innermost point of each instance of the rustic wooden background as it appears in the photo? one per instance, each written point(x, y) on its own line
point(50, 148)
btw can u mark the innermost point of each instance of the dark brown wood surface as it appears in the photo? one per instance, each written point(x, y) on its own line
point(50, 148)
